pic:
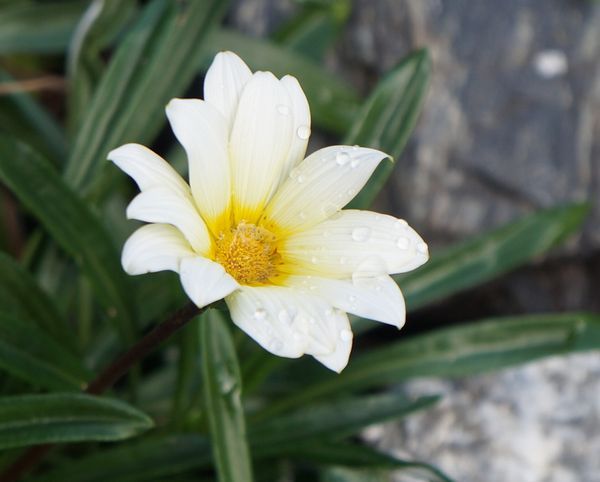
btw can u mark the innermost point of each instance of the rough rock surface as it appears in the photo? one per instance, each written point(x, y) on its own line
point(537, 423)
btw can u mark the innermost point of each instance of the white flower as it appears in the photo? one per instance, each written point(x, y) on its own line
point(261, 226)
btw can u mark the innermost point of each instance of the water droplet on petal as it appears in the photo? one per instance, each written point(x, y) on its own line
point(300, 179)
point(400, 223)
point(355, 162)
point(361, 234)
point(345, 335)
point(260, 314)
point(283, 109)
point(355, 147)
point(342, 158)
point(402, 243)
point(422, 248)
point(303, 132)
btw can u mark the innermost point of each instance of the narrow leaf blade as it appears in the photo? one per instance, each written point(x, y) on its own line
point(60, 418)
point(222, 398)
point(72, 224)
point(387, 118)
point(488, 256)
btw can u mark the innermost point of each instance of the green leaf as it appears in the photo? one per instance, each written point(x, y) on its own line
point(72, 224)
point(28, 353)
point(23, 117)
point(151, 66)
point(21, 295)
point(139, 461)
point(353, 455)
point(46, 27)
point(335, 419)
point(187, 367)
point(98, 27)
point(485, 257)
point(60, 418)
point(222, 400)
point(387, 118)
point(333, 103)
point(457, 351)
point(314, 29)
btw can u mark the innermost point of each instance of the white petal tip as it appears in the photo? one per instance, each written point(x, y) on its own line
point(205, 281)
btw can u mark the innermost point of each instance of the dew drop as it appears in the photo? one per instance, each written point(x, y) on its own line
point(300, 179)
point(342, 158)
point(345, 335)
point(226, 382)
point(283, 109)
point(402, 243)
point(355, 147)
point(400, 223)
point(303, 132)
point(422, 248)
point(260, 314)
point(361, 234)
point(355, 162)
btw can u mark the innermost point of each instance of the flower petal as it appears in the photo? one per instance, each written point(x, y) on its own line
point(320, 186)
point(376, 298)
point(147, 168)
point(224, 82)
point(162, 205)
point(203, 133)
point(154, 247)
point(205, 281)
point(354, 243)
point(301, 123)
point(284, 321)
point(338, 359)
point(259, 144)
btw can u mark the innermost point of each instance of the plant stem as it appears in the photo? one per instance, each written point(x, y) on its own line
point(108, 378)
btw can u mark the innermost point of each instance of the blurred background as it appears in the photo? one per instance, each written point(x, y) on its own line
point(511, 124)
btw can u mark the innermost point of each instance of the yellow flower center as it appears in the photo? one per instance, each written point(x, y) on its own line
point(248, 253)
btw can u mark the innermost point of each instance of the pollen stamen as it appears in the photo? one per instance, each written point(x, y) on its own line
point(248, 253)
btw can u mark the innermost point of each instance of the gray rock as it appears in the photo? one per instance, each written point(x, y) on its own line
point(537, 423)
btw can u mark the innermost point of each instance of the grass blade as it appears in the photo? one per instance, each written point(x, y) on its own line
point(387, 118)
point(60, 418)
point(28, 353)
point(72, 225)
point(488, 256)
point(457, 351)
point(222, 390)
point(151, 66)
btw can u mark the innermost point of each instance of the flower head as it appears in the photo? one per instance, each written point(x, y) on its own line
point(263, 227)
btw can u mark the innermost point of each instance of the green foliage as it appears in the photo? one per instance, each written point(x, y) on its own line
point(71, 223)
point(67, 308)
point(66, 417)
point(222, 400)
